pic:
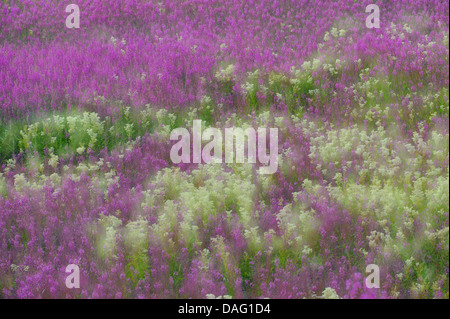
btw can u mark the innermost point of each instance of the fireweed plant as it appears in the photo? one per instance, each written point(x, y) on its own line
point(86, 176)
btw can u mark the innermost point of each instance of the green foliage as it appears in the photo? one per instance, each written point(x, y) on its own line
point(138, 267)
point(9, 139)
point(74, 133)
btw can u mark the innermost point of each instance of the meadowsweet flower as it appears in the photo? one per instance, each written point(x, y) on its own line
point(329, 293)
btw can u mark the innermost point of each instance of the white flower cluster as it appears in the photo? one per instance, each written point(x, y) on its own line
point(329, 293)
point(198, 195)
point(226, 74)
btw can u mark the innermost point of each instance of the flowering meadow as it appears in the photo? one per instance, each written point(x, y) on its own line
point(86, 176)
